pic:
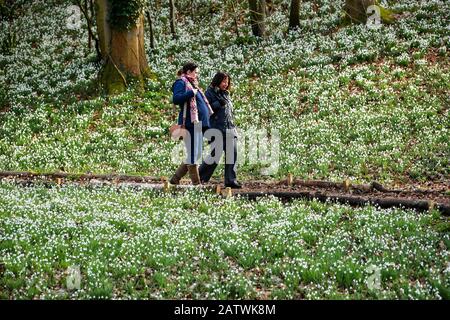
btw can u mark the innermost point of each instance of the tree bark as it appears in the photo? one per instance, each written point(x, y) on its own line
point(87, 10)
point(236, 25)
point(173, 29)
point(257, 17)
point(294, 16)
point(357, 9)
point(152, 36)
point(419, 205)
point(123, 53)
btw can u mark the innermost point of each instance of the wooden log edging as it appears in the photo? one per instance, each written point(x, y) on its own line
point(158, 183)
point(160, 187)
point(79, 176)
point(374, 185)
point(419, 205)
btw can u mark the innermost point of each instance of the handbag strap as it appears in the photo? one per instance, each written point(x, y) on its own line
point(184, 113)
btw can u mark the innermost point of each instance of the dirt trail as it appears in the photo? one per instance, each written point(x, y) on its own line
point(421, 197)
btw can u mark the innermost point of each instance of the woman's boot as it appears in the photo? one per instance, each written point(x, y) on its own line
point(181, 171)
point(193, 173)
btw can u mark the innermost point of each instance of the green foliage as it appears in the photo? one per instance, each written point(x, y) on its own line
point(125, 13)
point(132, 243)
point(9, 10)
point(444, 227)
point(348, 102)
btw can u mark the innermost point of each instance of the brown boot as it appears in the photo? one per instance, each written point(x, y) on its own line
point(193, 173)
point(180, 173)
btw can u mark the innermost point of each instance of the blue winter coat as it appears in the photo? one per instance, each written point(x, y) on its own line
point(180, 96)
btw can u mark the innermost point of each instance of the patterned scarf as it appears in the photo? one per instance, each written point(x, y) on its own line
point(190, 85)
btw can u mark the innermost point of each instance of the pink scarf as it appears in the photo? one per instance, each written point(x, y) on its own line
point(193, 103)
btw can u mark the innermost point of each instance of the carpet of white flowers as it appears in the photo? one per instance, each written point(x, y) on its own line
point(138, 244)
point(347, 101)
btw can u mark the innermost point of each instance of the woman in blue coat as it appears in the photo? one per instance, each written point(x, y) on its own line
point(222, 120)
point(187, 94)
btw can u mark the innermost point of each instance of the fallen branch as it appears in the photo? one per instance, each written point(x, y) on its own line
point(81, 176)
point(420, 205)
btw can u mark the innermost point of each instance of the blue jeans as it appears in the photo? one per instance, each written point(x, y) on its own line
point(194, 143)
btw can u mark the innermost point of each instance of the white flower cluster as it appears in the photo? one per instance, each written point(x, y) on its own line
point(138, 244)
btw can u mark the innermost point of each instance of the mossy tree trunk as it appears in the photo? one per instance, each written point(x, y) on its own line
point(356, 11)
point(123, 52)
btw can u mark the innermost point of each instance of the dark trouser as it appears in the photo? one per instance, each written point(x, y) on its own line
point(209, 165)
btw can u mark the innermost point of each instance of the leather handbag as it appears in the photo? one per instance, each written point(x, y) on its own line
point(178, 131)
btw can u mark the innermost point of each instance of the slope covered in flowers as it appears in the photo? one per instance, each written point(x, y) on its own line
point(348, 101)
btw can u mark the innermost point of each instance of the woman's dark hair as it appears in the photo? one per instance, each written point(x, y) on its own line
point(190, 66)
point(219, 77)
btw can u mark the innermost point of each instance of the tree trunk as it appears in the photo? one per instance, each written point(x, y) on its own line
point(257, 17)
point(357, 9)
point(150, 24)
point(173, 29)
point(92, 14)
point(236, 25)
point(270, 7)
point(88, 12)
point(294, 16)
point(123, 52)
point(85, 11)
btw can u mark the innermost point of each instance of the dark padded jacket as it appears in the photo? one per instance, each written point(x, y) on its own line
point(220, 102)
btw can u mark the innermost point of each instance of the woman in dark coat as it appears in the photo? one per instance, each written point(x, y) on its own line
point(222, 120)
point(187, 94)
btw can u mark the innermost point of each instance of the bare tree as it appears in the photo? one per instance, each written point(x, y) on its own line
point(236, 25)
point(87, 8)
point(257, 17)
point(173, 29)
point(294, 15)
point(150, 24)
